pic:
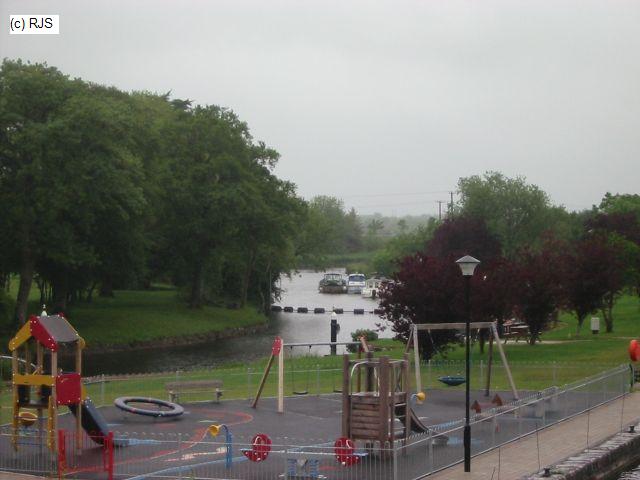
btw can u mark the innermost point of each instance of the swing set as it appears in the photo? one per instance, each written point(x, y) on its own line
point(452, 380)
point(277, 351)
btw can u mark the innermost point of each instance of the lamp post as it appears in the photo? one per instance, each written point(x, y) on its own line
point(467, 265)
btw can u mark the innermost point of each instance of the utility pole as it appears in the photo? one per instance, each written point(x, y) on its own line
point(451, 205)
point(440, 202)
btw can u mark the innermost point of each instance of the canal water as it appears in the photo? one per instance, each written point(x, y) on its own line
point(301, 290)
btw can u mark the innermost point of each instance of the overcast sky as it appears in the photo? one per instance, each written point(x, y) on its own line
point(384, 104)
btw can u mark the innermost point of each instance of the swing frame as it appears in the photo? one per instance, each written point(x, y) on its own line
point(413, 340)
point(277, 351)
point(362, 343)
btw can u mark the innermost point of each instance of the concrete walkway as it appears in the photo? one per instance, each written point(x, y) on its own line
point(556, 443)
point(16, 476)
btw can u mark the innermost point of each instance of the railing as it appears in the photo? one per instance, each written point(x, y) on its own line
point(501, 425)
point(183, 456)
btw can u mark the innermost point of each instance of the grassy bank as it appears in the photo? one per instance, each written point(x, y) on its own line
point(134, 316)
point(561, 344)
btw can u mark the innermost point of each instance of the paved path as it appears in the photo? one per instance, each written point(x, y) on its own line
point(556, 443)
point(16, 476)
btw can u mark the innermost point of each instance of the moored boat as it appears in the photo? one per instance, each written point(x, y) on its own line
point(332, 283)
point(355, 283)
point(372, 286)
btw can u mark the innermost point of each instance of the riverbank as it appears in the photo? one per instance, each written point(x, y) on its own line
point(135, 319)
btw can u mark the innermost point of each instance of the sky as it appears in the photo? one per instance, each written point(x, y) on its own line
point(385, 104)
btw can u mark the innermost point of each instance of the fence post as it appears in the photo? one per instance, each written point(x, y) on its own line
point(430, 452)
point(395, 461)
point(109, 446)
point(179, 450)
point(494, 426)
point(102, 386)
point(248, 383)
point(428, 373)
point(519, 421)
point(318, 379)
point(555, 374)
point(481, 372)
point(286, 463)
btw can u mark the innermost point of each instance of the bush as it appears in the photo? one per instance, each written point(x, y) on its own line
point(369, 336)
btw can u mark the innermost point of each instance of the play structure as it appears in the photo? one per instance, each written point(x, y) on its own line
point(42, 386)
point(453, 380)
point(277, 351)
point(376, 393)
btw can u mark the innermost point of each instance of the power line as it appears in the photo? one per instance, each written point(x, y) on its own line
point(435, 192)
point(389, 205)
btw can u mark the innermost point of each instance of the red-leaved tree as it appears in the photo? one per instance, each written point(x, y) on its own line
point(537, 291)
point(426, 290)
point(591, 277)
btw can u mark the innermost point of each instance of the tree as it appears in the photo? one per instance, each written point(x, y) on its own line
point(493, 298)
point(426, 290)
point(620, 203)
point(622, 228)
point(375, 226)
point(584, 285)
point(513, 210)
point(536, 288)
point(32, 99)
point(387, 261)
point(340, 231)
point(461, 236)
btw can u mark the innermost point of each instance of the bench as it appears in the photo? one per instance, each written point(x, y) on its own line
point(517, 332)
point(175, 389)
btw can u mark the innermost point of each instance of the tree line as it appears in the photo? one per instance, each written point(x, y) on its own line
point(537, 260)
point(103, 189)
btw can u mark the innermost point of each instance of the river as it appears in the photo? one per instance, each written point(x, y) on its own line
point(301, 290)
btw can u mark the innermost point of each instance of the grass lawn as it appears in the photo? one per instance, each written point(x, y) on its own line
point(146, 315)
point(563, 345)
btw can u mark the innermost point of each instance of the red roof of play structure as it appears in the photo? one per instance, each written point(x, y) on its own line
point(52, 330)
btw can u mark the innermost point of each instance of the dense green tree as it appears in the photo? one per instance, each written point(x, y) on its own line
point(106, 189)
point(338, 231)
point(620, 203)
point(515, 211)
point(35, 163)
point(387, 261)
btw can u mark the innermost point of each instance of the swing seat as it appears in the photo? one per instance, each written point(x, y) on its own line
point(300, 392)
point(452, 380)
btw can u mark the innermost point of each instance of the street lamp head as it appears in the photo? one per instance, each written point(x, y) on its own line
point(467, 264)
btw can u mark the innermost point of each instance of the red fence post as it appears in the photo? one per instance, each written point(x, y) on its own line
point(109, 451)
point(62, 457)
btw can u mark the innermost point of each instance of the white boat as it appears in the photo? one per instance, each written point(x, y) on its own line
point(372, 286)
point(355, 283)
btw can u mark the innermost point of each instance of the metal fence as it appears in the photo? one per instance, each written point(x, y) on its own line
point(504, 424)
point(181, 456)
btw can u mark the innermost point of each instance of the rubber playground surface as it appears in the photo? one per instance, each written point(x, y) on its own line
point(181, 446)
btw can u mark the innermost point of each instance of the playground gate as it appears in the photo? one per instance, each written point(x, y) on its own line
point(80, 453)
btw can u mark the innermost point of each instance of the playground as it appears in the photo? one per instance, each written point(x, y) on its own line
point(375, 425)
